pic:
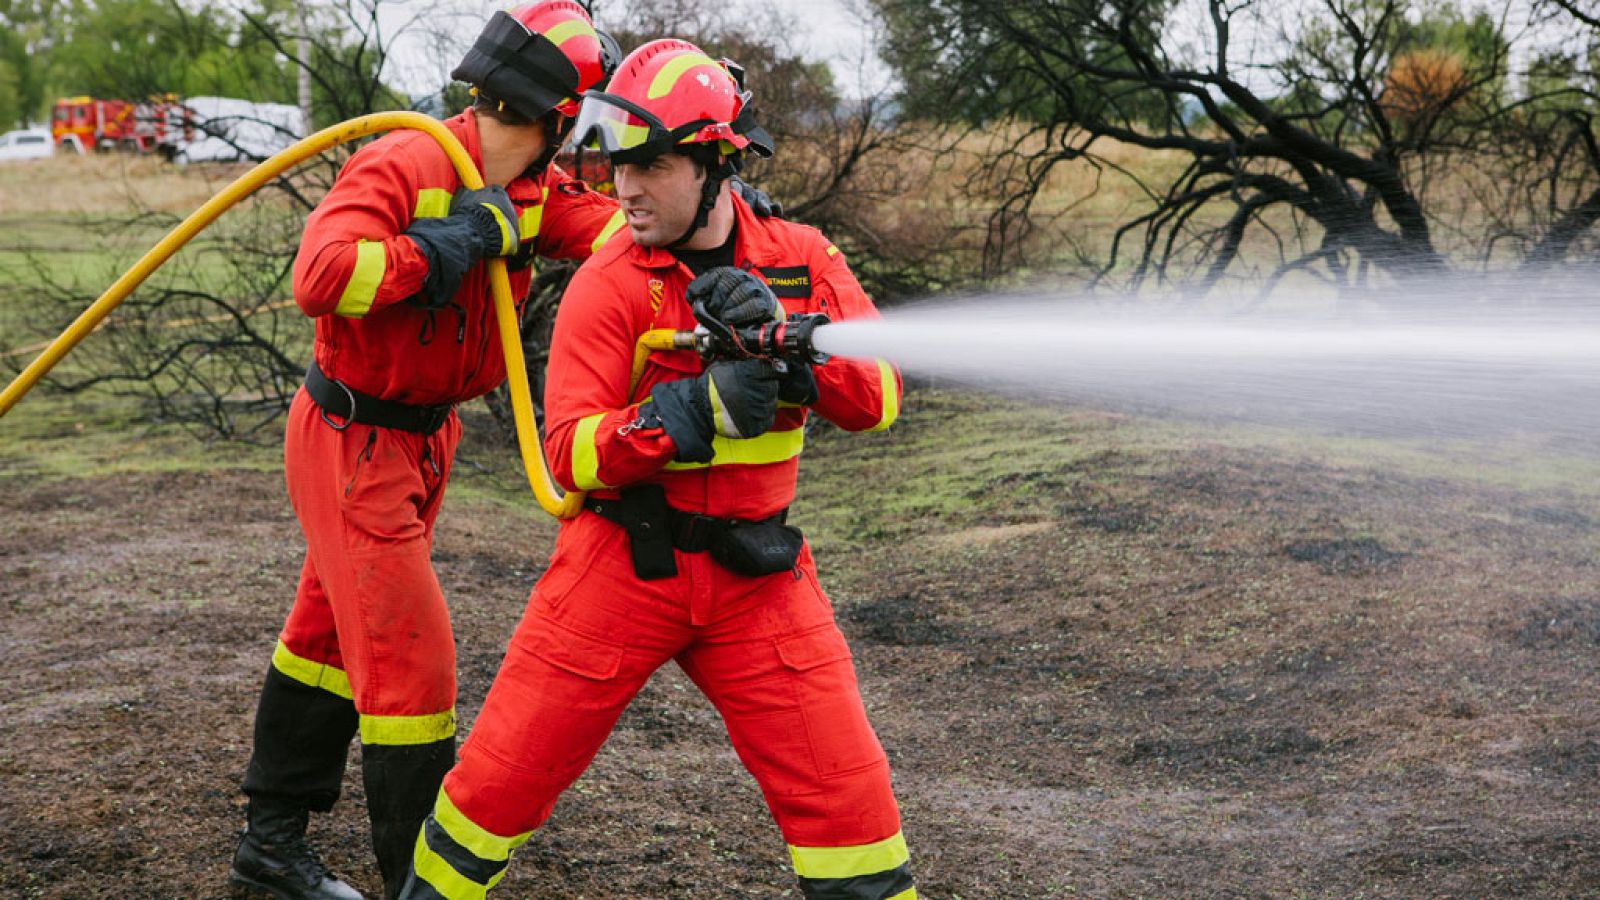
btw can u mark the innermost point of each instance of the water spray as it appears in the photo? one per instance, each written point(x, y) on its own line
point(1469, 359)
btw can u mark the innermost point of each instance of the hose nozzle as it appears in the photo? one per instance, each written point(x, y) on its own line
point(781, 340)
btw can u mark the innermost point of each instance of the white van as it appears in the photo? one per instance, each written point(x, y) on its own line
point(33, 143)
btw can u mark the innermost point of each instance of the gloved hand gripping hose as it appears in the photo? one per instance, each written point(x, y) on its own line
point(545, 490)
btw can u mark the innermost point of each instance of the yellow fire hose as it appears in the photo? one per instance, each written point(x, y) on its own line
point(545, 490)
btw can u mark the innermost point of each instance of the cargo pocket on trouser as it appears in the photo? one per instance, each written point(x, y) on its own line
point(556, 698)
point(840, 739)
point(823, 772)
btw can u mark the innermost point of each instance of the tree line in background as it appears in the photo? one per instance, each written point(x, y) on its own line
point(132, 49)
point(1132, 145)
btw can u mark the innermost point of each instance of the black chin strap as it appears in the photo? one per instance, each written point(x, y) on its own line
point(553, 138)
point(724, 169)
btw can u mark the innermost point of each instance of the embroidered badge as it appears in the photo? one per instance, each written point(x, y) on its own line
point(788, 281)
point(657, 291)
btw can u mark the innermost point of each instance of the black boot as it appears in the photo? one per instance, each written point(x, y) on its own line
point(275, 857)
point(402, 782)
point(302, 736)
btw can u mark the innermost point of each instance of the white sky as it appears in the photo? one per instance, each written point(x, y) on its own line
point(831, 30)
point(823, 29)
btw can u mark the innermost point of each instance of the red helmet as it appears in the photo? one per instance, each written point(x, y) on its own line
point(667, 93)
point(539, 57)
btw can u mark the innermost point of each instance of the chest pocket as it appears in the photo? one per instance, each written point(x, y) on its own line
point(788, 283)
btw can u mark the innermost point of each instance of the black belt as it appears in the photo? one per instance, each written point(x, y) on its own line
point(339, 399)
point(690, 532)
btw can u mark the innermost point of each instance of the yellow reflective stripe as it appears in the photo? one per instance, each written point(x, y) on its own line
point(891, 397)
point(480, 842)
point(569, 29)
point(661, 85)
point(848, 862)
point(528, 223)
point(612, 225)
point(508, 241)
point(532, 218)
point(772, 447)
point(318, 675)
point(362, 288)
point(719, 411)
point(432, 868)
point(432, 203)
point(907, 894)
point(585, 456)
point(408, 729)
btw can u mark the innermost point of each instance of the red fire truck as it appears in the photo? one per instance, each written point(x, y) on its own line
point(87, 124)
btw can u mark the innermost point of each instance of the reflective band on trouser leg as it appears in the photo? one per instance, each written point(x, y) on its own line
point(365, 276)
point(585, 457)
point(891, 397)
point(312, 674)
point(613, 225)
point(456, 857)
point(408, 729)
point(879, 871)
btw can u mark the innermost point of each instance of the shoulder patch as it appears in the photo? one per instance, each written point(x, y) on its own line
point(788, 281)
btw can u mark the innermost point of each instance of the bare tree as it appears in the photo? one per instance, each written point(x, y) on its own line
point(214, 341)
point(1352, 132)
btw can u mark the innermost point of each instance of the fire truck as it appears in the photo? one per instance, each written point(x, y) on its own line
point(88, 124)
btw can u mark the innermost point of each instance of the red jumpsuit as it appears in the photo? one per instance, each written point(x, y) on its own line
point(764, 650)
point(369, 623)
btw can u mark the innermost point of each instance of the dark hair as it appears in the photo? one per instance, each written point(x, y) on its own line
point(485, 105)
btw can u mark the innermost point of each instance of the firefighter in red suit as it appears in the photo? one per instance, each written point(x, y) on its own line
point(682, 551)
point(391, 267)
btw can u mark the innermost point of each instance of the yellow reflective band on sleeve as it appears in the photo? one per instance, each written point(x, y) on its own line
point(772, 447)
point(661, 85)
point(585, 456)
point(432, 203)
point(907, 894)
point(612, 226)
point(362, 288)
point(475, 838)
point(849, 862)
point(891, 397)
point(407, 730)
point(567, 30)
point(317, 675)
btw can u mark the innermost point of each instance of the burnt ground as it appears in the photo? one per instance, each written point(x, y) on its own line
point(1102, 666)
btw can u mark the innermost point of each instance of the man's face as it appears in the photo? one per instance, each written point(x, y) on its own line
point(659, 197)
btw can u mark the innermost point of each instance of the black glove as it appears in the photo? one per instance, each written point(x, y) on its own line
point(481, 223)
point(798, 385)
point(733, 398)
point(733, 298)
point(757, 199)
point(496, 219)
